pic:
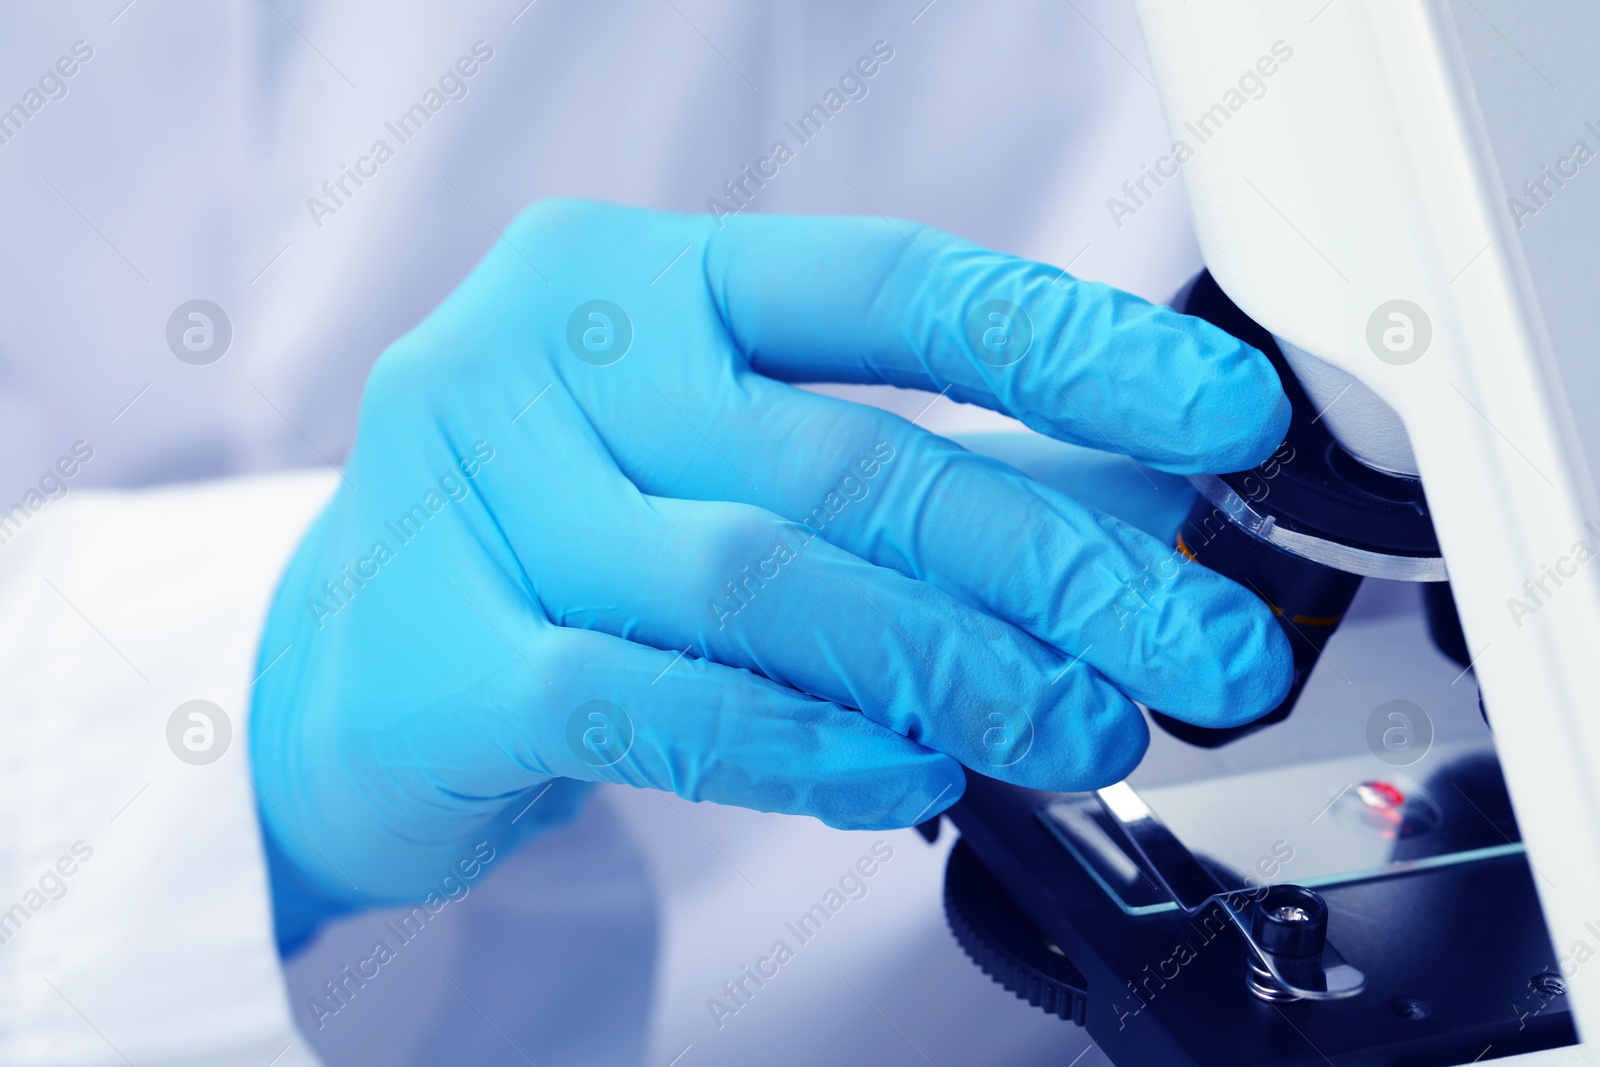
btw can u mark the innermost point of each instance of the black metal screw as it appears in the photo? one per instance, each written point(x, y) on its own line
point(1547, 984)
point(1291, 920)
point(1289, 923)
point(1411, 1008)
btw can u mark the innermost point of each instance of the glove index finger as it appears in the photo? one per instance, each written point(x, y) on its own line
point(870, 301)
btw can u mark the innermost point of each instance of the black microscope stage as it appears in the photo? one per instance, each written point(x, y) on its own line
point(1449, 934)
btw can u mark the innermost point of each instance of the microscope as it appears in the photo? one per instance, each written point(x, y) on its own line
point(1399, 202)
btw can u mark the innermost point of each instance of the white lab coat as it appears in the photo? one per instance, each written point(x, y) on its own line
point(175, 163)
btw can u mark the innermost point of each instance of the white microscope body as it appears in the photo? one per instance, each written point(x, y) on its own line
point(1411, 204)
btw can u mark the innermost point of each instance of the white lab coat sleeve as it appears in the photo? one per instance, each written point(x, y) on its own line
point(135, 915)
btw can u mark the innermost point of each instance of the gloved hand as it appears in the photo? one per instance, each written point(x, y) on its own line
point(588, 533)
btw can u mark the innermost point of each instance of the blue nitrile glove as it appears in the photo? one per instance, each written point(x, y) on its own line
point(588, 533)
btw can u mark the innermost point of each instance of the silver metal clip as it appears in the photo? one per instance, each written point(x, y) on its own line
point(1304, 966)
